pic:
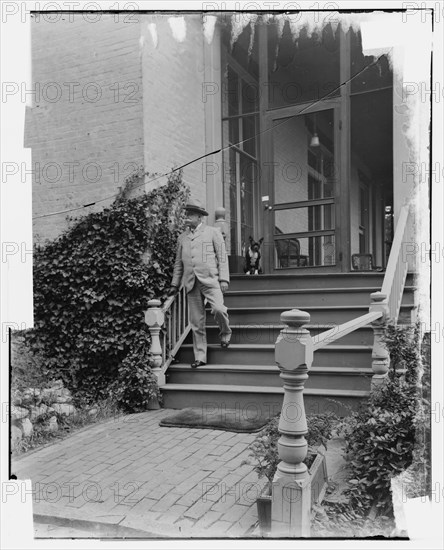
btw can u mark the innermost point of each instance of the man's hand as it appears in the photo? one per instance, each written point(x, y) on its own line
point(223, 286)
point(173, 290)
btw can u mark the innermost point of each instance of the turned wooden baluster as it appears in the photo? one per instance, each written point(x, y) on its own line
point(380, 354)
point(291, 486)
point(154, 318)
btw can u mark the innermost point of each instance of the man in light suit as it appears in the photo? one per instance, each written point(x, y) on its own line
point(202, 263)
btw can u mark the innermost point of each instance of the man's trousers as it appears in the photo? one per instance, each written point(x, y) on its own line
point(196, 303)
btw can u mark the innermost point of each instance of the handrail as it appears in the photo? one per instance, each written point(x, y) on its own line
point(397, 266)
point(177, 326)
point(339, 331)
point(169, 325)
point(385, 303)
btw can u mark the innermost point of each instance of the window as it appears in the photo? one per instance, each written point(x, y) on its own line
point(240, 126)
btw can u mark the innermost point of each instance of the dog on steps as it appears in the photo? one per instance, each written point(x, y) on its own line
point(253, 257)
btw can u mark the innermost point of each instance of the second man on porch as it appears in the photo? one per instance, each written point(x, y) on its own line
point(202, 262)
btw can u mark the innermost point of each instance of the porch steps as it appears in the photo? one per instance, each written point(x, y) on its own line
point(245, 375)
point(268, 376)
point(241, 354)
point(318, 314)
point(267, 334)
point(301, 297)
point(307, 280)
point(258, 400)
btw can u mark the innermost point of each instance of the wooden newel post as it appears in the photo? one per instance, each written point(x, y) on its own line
point(291, 488)
point(220, 220)
point(154, 318)
point(380, 354)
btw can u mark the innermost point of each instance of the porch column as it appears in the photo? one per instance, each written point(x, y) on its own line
point(211, 97)
point(380, 354)
point(342, 137)
point(291, 488)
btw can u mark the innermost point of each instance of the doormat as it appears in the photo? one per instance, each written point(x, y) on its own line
point(229, 420)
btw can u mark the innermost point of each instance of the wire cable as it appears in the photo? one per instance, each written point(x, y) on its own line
point(222, 149)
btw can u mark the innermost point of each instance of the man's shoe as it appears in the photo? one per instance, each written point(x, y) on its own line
point(197, 364)
point(225, 343)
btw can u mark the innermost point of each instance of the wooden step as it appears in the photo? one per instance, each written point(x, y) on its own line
point(311, 280)
point(268, 333)
point(256, 400)
point(318, 314)
point(253, 354)
point(302, 298)
point(268, 376)
point(245, 375)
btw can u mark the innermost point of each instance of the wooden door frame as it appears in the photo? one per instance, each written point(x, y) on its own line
point(341, 106)
point(228, 60)
point(265, 188)
point(290, 112)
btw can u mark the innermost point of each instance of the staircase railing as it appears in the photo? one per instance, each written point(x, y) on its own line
point(294, 355)
point(385, 304)
point(169, 326)
point(397, 266)
point(339, 331)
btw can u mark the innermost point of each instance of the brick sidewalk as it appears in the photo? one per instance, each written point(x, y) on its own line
point(131, 473)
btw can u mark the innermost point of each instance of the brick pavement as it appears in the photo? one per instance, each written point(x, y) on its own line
point(131, 473)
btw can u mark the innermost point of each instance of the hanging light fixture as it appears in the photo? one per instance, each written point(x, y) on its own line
point(315, 139)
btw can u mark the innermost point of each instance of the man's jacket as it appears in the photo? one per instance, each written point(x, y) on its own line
point(201, 254)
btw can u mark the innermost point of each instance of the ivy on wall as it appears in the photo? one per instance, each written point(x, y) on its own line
point(92, 286)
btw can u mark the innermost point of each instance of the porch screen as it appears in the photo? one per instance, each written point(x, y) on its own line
point(303, 69)
point(304, 187)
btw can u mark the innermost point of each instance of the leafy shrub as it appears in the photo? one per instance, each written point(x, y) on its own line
point(418, 479)
point(135, 384)
point(93, 283)
point(30, 367)
point(380, 436)
point(264, 452)
point(264, 449)
point(404, 346)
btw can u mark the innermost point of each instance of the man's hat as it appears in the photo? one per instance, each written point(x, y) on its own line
point(195, 206)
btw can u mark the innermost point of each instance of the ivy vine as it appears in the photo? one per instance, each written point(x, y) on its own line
point(92, 286)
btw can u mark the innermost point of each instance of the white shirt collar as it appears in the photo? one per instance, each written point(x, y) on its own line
point(196, 228)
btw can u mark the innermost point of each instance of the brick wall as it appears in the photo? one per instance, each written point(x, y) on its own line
point(87, 136)
point(174, 112)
